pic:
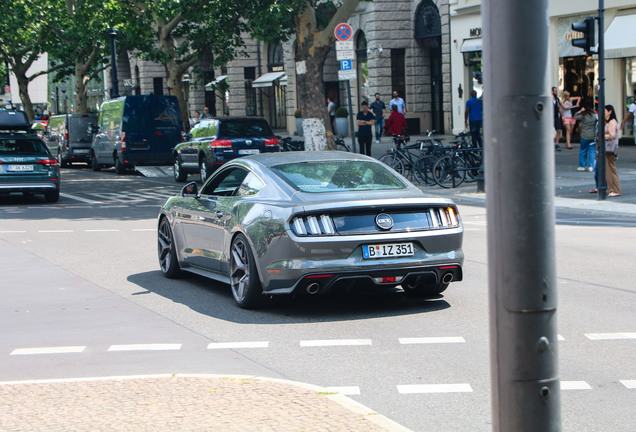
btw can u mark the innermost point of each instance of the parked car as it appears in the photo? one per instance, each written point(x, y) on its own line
point(213, 142)
point(310, 222)
point(69, 137)
point(26, 165)
point(137, 130)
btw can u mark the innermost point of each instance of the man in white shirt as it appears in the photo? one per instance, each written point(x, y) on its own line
point(631, 113)
point(399, 102)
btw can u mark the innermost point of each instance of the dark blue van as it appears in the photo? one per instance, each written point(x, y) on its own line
point(137, 130)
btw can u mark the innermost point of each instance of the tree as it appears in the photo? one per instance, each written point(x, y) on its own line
point(24, 39)
point(184, 30)
point(313, 23)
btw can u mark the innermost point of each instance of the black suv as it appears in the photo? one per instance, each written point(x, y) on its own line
point(26, 165)
point(213, 142)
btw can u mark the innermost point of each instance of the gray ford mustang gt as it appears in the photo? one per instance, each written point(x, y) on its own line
point(310, 222)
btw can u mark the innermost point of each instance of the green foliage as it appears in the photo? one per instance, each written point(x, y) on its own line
point(342, 112)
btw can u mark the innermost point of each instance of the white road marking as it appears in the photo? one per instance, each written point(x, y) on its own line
point(12, 232)
point(434, 388)
point(145, 229)
point(344, 390)
point(432, 340)
point(80, 199)
point(561, 338)
point(575, 385)
point(237, 345)
point(610, 336)
point(334, 342)
point(630, 384)
point(55, 231)
point(48, 350)
point(145, 347)
point(102, 230)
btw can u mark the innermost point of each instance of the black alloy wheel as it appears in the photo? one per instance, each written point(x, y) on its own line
point(180, 176)
point(166, 250)
point(94, 164)
point(204, 169)
point(246, 286)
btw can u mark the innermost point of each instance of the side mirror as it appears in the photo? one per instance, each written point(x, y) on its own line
point(190, 189)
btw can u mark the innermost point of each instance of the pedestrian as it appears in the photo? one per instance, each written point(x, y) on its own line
point(568, 118)
point(331, 109)
point(396, 123)
point(558, 113)
point(473, 118)
point(611, 149)
point(589, 122)
point(365, 120)
point(197, 117)
point(631, 113)
point(206, 113)
point(379, 110)
point(397, 100)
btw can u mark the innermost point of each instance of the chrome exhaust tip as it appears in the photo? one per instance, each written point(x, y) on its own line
point(447, 278)
point(312, 288)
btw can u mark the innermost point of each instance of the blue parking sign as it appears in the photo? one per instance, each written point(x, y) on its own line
point(346, 64)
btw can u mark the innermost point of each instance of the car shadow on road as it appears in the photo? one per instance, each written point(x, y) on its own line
point(214, 299)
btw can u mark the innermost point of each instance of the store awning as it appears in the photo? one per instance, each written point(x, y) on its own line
point(268, 79)
point(210, 85)
point(471, 45)
point(620, 37)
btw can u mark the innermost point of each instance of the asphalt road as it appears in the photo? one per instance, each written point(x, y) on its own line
point(83, 275)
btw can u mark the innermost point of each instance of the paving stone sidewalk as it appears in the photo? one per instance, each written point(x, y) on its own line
point(182, 403)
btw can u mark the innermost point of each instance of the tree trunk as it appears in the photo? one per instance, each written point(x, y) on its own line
point(175, 87)
point(81, 93)
point(23, 89)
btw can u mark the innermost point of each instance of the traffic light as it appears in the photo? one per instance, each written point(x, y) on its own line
point(586, 29)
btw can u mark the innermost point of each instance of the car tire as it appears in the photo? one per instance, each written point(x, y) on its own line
point(119, 167)
point(52, 196)
point(60, 160)
point(204, 169)
point(94, 164)
point(166, 250)
point(422, 287)
point(180, 176)
point(246, 286)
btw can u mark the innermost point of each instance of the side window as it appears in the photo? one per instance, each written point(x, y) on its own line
point(226, 183)
point(250, 186)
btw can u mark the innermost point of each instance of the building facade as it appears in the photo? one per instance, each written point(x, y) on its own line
point(571, 69)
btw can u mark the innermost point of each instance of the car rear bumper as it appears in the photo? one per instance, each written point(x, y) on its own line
point(35, 187)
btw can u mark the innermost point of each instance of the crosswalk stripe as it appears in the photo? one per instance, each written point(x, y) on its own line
point(434, 388)
point(335, 342)
point(145, 347)
point(432, 340)
point(630, 384)
point(48, 350)
point(237, 345)
point(575, 385)
point(610, 336)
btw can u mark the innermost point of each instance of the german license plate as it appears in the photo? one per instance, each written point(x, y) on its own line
point(392, 250)
point(19, 167)
point(249, 151)
point(80, 151)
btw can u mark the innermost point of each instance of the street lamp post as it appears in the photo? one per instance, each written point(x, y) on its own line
point(113, 65)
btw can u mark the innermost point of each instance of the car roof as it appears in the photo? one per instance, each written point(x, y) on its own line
point(271, 159)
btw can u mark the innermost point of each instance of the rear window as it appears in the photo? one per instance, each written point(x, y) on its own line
point(335, 176)
point(149, 113)
point(240, 128)
point(10, 147)
point(79, 127)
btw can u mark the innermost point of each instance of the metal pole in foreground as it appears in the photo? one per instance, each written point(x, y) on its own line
point(600, 160)
point(113, 65)
point(519, 165)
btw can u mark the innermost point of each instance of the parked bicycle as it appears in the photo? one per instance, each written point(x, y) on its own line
point(341, 145)
point(404, 158)
point(290, 144)
point(463, 163)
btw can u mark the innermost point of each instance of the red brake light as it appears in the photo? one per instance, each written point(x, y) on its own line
point(48, 162)
point(221, 143)
point(271, 142)
point(388, 279)
point(123, 141)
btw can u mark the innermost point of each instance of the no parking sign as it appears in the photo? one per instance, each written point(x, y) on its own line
point(343, 32)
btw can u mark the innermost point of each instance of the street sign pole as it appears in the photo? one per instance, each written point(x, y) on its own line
point(600, 160)
point(521, 217)
point(353, 141)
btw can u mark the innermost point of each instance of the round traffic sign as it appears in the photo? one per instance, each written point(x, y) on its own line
point(343, 32)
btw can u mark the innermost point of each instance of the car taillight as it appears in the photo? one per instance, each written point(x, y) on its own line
point(217, 143)
point(313, 225)
point(271, 142)
point(445, 217)
point(48, 162)
point(123, 141)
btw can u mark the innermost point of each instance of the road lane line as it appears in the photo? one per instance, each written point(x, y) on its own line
point(145, 347)
point(102, 230)
point(610, 336)
point(236, 345)
point(55, 231)
point(434, 388)
point(48, 350)
point(12, 232)
point(432, 340)
point(144, 229)
point(630, 384)
point(344, 390)
point(80, 199)
point(335, 342)
point(575, 385)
